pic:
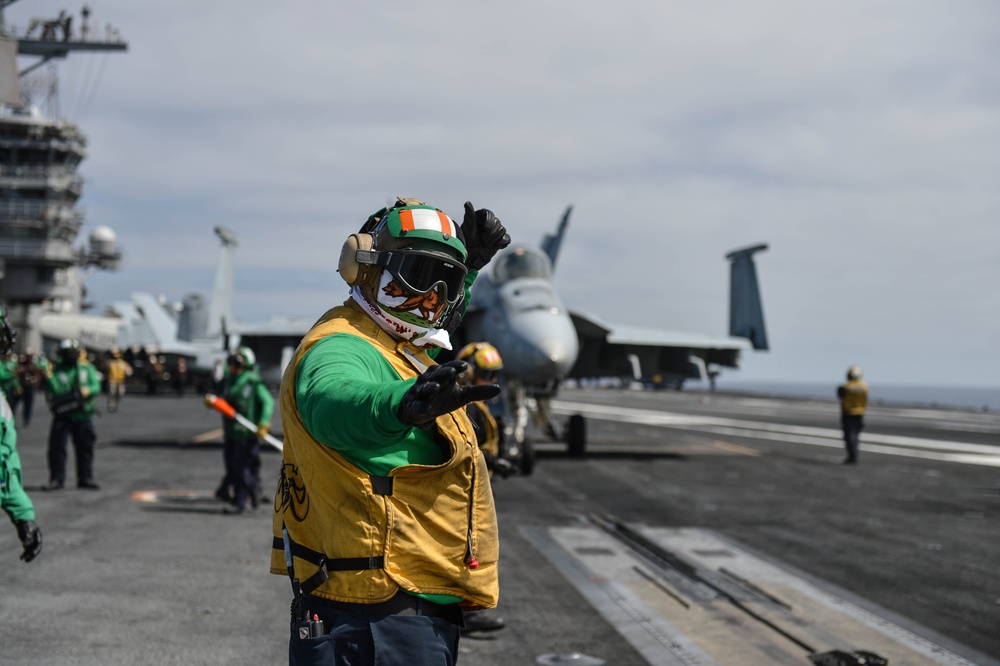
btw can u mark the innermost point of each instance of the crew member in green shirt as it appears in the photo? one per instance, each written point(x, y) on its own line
point(13, 499)
point(244, 390)
point(72, 388)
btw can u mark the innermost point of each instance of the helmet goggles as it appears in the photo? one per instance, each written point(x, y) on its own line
point(490, 376)
point(419, 272)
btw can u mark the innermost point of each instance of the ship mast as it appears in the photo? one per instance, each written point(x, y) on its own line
point(56, 37)
point(41, 269)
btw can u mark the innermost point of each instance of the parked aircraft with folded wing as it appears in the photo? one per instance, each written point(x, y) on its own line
point(515, 307)
point(201, 332)
point(151, 325)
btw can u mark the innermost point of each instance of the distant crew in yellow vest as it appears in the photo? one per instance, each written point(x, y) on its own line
point(118, 371)
point(853, 403)
point(384, 508)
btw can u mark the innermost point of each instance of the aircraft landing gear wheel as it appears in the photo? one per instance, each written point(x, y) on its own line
point(576, 435)
point(527, 458)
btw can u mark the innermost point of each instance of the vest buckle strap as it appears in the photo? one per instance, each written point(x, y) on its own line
point(354, 563)
point(381, 485)
point(327, 564)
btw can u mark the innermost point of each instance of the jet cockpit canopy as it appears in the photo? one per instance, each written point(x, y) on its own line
point(522, 262)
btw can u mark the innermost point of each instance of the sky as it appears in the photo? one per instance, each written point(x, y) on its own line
point(859, 139)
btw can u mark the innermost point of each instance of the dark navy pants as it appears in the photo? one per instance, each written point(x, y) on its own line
point(84, 437)
point(29, 403)
point(386, 640)
point(242, 459)
point(852, 425)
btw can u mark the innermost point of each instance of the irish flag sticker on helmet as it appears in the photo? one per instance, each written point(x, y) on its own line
point(424, 222)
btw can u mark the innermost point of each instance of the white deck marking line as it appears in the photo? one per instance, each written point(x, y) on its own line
point(707, 631)
point(658, 641)
point(935, 449)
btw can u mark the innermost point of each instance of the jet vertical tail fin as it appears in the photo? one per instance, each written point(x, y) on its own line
point(221, 306)
point(551, 242)
point(746, 312)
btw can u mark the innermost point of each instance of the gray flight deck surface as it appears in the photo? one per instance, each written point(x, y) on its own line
point(897, 555)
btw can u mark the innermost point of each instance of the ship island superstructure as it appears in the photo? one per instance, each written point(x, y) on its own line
point(41, 268)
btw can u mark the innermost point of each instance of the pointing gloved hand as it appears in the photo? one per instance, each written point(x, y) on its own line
point(263, 429)
point(31, 538)
point(484, 236)
point(438, 392)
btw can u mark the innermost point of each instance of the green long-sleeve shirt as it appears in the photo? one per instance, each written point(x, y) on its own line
point(13, 499)
point(68, 377)
point(348, 397)
point(249, 396)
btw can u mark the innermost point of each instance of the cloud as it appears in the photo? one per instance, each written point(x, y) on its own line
point(857, 138)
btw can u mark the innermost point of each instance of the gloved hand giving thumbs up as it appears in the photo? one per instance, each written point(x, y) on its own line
point(438, 392)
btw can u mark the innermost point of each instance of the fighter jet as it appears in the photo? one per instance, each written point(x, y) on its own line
point(194, 331)
point(516, 308)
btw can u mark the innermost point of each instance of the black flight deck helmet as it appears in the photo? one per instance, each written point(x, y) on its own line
point(69, 351)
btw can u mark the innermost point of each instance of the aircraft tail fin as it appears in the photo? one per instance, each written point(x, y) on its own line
point(551, 242)
point(157, 321)
point(221, 305)
point(746, 312)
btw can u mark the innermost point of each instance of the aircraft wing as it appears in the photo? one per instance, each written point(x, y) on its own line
point(98, 333)
point(643, 353)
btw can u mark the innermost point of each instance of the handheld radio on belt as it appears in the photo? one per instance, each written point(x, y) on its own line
point(303, 625)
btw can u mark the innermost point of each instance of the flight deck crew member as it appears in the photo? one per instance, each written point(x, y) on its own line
point(118, 371)
point(9, 383)
point(72, 389)
point(853, 403)
point(384, 518)
point(244, 390)
point(485, 365)
point(13, 499)
point(28, 375)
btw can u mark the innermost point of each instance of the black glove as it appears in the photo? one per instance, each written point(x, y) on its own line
point(31, 539)
point(484, 236)
point(504, 467)
point(451, 321)
point(438, 392)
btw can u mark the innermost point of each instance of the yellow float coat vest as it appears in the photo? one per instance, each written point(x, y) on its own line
point(854, 400)
point(490, 441)
point(435, 533)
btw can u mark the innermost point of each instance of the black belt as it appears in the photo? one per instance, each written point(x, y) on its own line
point(401, 603)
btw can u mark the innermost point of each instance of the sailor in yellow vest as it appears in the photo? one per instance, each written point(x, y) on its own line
point(384, 518)
point(853, 403)
point(118, 371)
point(485, 364)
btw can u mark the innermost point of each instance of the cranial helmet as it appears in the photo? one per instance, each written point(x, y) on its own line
point(418, 244)
point(69, 351)
point(854, 372)
point(7, 334)
point(243, 357)
point(484, 359)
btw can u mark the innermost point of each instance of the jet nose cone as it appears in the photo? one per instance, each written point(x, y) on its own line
point(554, 357)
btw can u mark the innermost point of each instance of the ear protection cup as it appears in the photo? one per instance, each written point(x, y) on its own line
point(353, 271)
